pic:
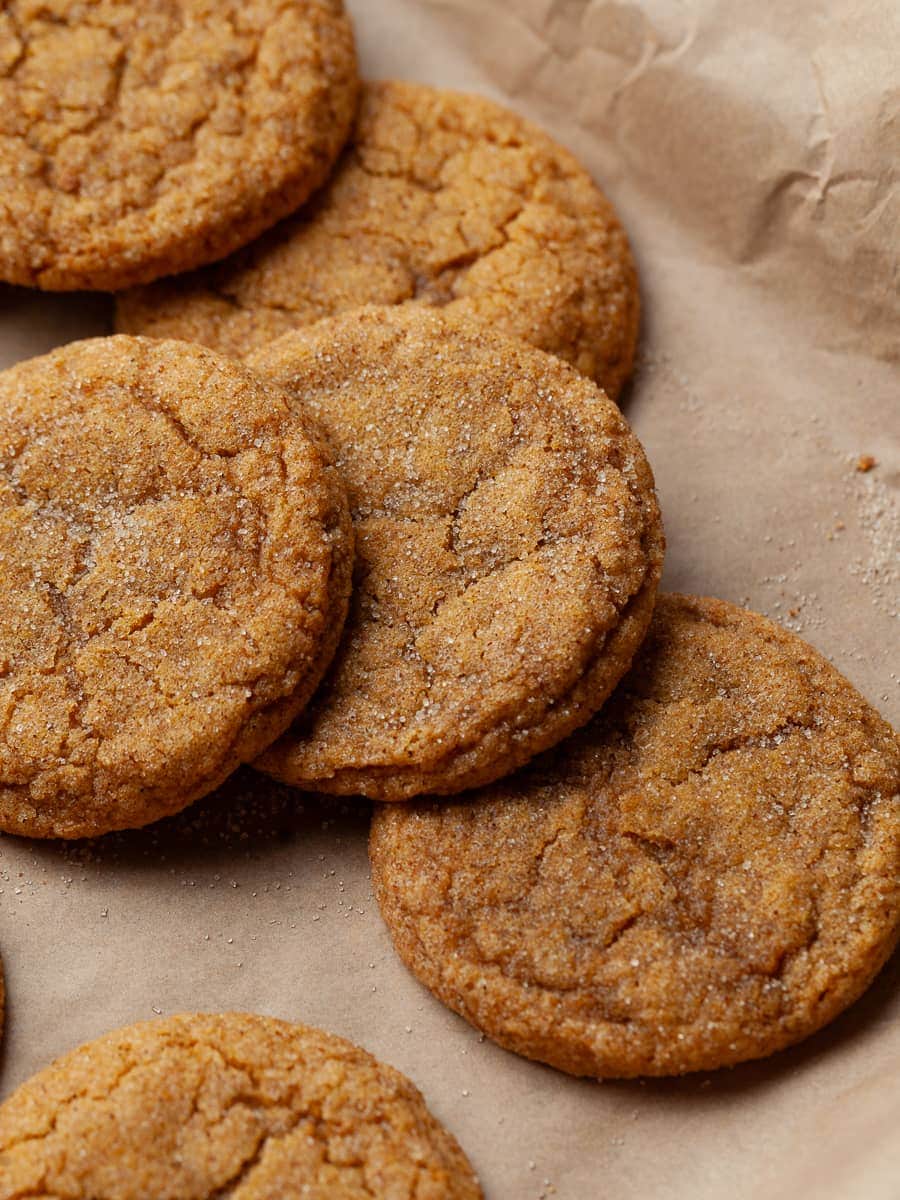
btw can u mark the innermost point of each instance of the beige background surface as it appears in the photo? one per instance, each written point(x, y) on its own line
point(751, 150)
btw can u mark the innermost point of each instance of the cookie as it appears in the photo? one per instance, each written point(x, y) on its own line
point(442, 199)
point(509, 547)
point(228, 1105)
point(176, 555)
point(708, 872)
point(137, 140)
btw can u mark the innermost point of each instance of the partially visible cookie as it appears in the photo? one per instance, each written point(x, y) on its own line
point(229, 1105)
point(708, 872)
point(137, 140)
point(509, 547)
point(176, 555)
point(442, 199)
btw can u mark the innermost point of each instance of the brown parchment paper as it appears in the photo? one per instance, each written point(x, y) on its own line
point(752, 150)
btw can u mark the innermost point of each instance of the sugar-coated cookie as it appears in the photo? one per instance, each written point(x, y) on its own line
point(708, 872)
point(509, 547)
point(140, 139)
point(225, 1106)
point(175, 561)
point(444, 199)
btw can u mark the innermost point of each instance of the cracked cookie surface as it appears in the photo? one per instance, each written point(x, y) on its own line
point(137, 140)
point(708, 872)
point(176, 558)
point(443, 199)
point(509, 547)
point(231, 1105)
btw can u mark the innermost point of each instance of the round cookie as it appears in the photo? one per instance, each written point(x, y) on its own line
point(509, 547)
point(230, 1105)
point(442, 199)
point(708, 872)
point(176, 557)
point(137, 140)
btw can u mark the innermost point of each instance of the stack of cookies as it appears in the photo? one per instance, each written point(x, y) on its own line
point(352, 501)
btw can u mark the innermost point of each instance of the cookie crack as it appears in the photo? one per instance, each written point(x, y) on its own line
point(156, 406)
point(538, 865)
point(658, 848)
point(83, 131)
point(129, 1067)
point(735, 745)
point(245, 1169)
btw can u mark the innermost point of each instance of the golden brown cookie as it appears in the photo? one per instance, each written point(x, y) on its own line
point(509, 548)
point(708, 872)
point(141, 139)
point(176, 559)
point(230, 1105)
point(444, 199)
